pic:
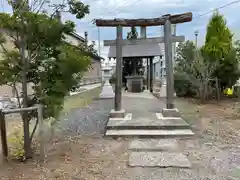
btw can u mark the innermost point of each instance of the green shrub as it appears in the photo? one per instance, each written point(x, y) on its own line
point(183, 86)
point(16, 145)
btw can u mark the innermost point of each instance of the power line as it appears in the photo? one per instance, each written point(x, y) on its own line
point(92, 21)
point(206, 13)
point(195, 17)
point(115, 10)
point(221, 7)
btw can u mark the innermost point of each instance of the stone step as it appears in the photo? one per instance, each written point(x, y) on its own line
point(146, 124)
point(158, 159)
point(169, 145)
point(150, 133)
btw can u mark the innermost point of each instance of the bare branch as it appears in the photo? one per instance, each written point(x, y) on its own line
point(17, 94)
point(37, 5)
point(3, 48)
point(34, 130)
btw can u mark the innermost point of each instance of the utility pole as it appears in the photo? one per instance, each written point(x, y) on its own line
point(196, 37)
point(174, 44)
point(99, 48)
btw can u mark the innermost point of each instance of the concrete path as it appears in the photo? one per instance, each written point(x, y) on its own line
point(141, 104)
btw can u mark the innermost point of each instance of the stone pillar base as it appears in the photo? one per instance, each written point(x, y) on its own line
point(117, 114)
point(107, 91)
point(171, 112)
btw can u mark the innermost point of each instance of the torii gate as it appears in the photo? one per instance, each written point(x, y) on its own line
point(165, 20)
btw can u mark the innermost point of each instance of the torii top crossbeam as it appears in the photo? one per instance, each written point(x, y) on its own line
point(174, 19)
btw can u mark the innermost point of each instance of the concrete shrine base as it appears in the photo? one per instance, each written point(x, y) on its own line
point(117, 114)
point(135, 83)
point(171, 112)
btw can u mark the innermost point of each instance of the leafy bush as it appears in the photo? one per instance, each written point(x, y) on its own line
point(16, 144)
point(183, 86)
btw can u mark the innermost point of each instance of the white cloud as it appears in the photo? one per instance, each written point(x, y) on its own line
point(152, 8)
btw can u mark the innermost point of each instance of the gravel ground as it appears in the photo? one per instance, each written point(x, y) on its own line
point(87, 157)
point(90, 120)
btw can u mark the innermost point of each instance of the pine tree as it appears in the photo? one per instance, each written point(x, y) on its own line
point(219, 50)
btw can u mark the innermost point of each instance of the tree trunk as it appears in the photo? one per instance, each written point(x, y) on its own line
point(27, 142)
point(217, 89)
point(201, 92)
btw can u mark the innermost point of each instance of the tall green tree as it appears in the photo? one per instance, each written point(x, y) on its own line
point(219, 48)
point(218, 41)
point(40, 57)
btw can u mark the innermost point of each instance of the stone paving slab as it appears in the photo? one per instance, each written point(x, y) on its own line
point(154, 145)
point(148, 123)
point(150, 133)
point(158, 159)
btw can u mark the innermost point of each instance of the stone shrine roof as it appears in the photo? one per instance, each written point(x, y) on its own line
point(140, 50)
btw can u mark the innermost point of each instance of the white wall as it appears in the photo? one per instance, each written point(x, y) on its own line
point(72, 40)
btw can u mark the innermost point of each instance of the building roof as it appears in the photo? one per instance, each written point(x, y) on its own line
point(77, 36)
point(139, 50)
point(81, 39)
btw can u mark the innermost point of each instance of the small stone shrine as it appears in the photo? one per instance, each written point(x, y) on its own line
point(146, 51)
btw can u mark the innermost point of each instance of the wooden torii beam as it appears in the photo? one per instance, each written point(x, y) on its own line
point(174, 19)
point(143, 41)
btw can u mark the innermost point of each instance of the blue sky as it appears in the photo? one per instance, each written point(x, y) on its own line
point(110, 9)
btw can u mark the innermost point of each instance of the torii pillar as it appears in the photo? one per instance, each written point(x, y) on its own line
point(118, 112)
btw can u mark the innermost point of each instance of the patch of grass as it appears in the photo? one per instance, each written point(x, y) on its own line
point(80, 100)
point(188, 109)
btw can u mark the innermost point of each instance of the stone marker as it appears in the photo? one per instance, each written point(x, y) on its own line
point(107, 91)
point(158, 159)
point(154, 145)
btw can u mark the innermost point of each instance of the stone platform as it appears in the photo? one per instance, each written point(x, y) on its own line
point(145, 123)
point(158, 159)
point(153, 145)
point(157, 131)
point(145, 120)
point(163, 153)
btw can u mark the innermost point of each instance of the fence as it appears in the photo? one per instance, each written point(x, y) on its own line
point(3, 131)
